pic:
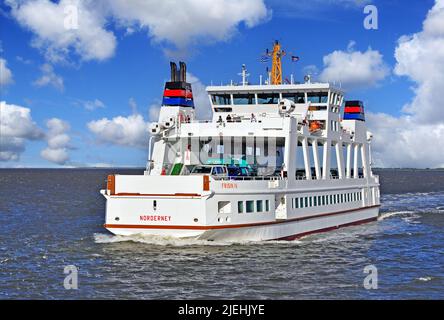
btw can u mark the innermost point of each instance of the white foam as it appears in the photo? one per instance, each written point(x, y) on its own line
point(392, 214)
point(181, 242)
point(424, 278)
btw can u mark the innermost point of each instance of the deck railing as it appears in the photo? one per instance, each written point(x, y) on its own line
point(275, 178)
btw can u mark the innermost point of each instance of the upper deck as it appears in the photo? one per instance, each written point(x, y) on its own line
point(265, 98)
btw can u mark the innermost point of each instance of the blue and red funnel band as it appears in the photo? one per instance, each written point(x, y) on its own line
point(176, 101)
point(178, 93)
point(354, 110)
point(354, 116)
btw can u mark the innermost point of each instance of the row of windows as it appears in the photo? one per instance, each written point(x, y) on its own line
point(324, 200)
point(250, 206)
point(270, 98)
point(253, 206)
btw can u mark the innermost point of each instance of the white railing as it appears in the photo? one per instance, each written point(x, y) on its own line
point(242, 178)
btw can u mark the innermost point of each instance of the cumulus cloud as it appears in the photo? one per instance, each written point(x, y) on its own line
point(58, 142)
point(5, 73)
point(183, 21)
point(354, 69)
point(420, 57)
point(131, 131)
point(178, 22)
point(56, 32)
point(416, 138)
point(93, 104)
point(49, 78)
point(405, 142)
point(200, 96)
point(16, 127)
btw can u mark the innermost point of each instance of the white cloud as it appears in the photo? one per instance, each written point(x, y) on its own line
point(5, 73)
point(420, 57)
point(48, 21)
point(133, 105)
point(416, 138)
point(200, 96)
point(58, 141)
point(93, 104)
point(154, 111)
point(24, 60)
point(406, 142)
point(354, 69)
point(49, 78)
point(131, 131)
point(16, 127)
point(182, 23)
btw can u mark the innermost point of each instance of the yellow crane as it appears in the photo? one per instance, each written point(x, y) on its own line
point(276, 66)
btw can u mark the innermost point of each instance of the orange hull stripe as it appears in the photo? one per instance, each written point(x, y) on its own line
point(126, 194)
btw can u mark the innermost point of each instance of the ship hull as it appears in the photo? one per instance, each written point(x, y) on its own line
point(289, 229)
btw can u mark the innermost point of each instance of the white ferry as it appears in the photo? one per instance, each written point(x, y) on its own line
point(277, 161)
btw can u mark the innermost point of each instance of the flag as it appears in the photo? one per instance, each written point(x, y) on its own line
point(294, 58)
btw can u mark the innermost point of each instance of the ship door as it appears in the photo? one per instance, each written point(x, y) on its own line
point(281, 207)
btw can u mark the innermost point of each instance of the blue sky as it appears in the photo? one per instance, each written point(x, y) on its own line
point(79, 88)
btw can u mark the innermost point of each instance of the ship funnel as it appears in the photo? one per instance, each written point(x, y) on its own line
point(178, 91)
point(173, 67)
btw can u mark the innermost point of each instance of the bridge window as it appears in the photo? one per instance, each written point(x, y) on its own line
point(219, 109)
point(268, 98)
point(221, 99)
point(318, 97)
point(295, 97)
point(243, 99)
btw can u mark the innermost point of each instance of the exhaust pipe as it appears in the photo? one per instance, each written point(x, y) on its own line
point(183, 71)
point(173, 67)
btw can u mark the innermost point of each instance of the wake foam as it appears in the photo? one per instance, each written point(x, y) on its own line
point(181, 242)
point(387, 215)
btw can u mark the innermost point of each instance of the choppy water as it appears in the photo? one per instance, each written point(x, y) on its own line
point(53, 218)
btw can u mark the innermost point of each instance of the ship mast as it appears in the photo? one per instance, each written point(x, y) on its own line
point(276, 67)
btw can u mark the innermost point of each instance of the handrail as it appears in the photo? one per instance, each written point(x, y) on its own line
point(268, 178)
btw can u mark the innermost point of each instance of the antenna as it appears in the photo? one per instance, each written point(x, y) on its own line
point(244, 75)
